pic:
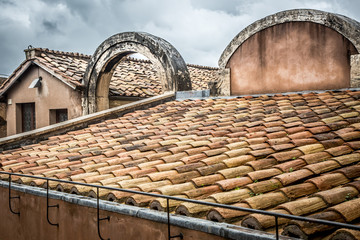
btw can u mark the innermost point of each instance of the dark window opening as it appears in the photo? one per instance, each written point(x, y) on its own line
point(61, 115)
point(58, 115)
point(28, 116)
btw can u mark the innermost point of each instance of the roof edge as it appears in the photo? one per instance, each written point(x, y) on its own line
point(37, 51)
point(7, 84)
point(43, 133)
point(258, 95)
point(128, 58)
point(24, 66)
point(345, 26)
point(225, 230)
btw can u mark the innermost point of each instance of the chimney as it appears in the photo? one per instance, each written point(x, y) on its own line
point(31, 52)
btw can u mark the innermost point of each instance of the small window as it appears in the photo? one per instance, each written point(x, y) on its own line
point(58, 115)
point(28, 116)
point(61, 115)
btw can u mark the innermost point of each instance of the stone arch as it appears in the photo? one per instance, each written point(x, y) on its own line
point(171, 68)
point(347, 27)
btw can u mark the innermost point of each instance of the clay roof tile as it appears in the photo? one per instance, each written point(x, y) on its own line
point(258, 152)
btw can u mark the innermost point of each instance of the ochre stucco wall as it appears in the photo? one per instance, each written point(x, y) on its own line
point(77, 222)
point(53, 94)
point(292, 56)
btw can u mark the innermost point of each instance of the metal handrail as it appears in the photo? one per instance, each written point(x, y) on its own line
point(219, 205)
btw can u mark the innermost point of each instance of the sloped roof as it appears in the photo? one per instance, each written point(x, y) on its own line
point(294, 154)
point(2, 79)
point(132, 77)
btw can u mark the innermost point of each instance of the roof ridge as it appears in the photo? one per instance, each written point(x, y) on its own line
point(57, 52)
point(187, 64)
point(137, 59)
point(81, 55)
point(202, 66)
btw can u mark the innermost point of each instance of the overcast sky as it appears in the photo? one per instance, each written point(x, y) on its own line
point(199, 29)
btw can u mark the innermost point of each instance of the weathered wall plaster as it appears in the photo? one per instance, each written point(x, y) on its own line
point(172, 70)
point(293, 56)
point(258, 51)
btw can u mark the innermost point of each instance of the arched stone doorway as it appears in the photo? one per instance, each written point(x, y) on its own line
point(172, 70)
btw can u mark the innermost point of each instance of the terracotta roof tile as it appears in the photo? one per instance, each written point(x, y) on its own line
point(322, 167)
point(292, 177)
point(207, 180)
point(304, 206)
point(328, 181)
point(264, 174)
point(267, 200)
point(232, 183)
point(207, 170)
point(340, 150)
point(350, 172)
point(231, 196)
point(348, 210)
point(299, 190)
point(262, 163)
point(202, 192)
point(183, 177)
point(258, 152)
point(290, 166)
point(287, 155)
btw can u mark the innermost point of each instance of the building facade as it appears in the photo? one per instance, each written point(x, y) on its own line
point(47, 88)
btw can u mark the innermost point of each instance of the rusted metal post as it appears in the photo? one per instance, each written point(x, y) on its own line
point(49, 206)
point(98, 214)
point(10, 197)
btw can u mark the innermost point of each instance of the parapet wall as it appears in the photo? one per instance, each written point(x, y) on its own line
point(77, 219)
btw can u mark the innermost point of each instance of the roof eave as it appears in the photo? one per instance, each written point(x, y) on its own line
point(26, 66)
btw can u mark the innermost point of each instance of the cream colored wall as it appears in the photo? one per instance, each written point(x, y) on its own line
point(53, 94)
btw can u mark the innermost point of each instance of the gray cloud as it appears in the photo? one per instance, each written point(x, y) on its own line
point(199, 29)
point(50, 26)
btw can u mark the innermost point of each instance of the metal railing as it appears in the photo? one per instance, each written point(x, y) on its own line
point(180, 235)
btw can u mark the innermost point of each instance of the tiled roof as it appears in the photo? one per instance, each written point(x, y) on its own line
point(294, 154)
point(132, 77)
